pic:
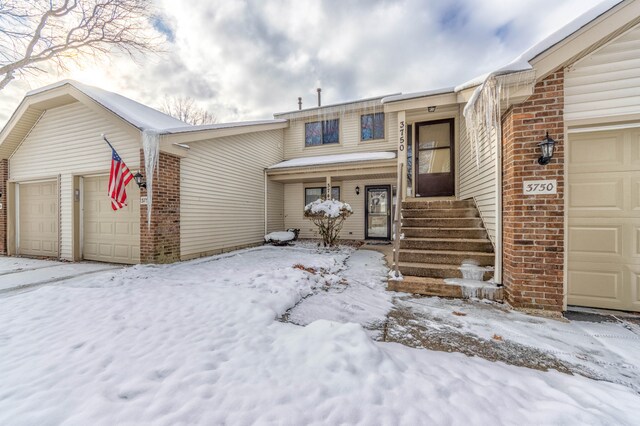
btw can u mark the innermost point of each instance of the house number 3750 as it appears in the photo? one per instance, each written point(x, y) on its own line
point(538, 187)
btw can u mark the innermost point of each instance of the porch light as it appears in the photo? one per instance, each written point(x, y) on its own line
point(357, 190)
point(138, 178)
point(546, 146)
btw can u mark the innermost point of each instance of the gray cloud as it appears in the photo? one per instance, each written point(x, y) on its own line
point(249, 59)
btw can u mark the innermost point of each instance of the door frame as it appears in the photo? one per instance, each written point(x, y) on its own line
point(366, 211)
point(452, 148)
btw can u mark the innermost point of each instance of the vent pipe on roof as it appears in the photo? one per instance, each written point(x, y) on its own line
point(299, 103)
point(319, 98)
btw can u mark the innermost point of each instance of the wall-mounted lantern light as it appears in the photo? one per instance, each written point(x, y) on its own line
point(138, 178)
point(546, 146)
point(357, 190)
point(431, 109)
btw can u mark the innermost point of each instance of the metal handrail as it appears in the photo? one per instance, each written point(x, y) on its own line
point(398, 222)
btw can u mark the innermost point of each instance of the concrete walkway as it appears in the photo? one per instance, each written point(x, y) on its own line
point(21, 273)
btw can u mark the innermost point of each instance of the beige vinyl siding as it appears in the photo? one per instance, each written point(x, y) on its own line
point(350, 142)
point(607, 82)
point(476, 182)
point(65, 142)
point(275, 206)
point(222, 192)
point(354, 225)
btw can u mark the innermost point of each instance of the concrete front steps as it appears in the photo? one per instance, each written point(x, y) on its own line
point(438, 287)
point(439, 236)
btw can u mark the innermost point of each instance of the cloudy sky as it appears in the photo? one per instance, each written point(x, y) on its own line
point(247, 59)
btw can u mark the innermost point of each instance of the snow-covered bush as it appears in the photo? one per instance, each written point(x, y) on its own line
point(328, 215)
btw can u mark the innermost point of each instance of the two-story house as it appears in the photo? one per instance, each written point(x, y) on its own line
point(558, 217)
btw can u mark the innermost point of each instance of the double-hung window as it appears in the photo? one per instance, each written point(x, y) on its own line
point(322, 132)
point(372, 126)
point(313, 194)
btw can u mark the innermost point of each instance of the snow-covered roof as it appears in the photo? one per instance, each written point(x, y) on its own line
point(356, 103)
point(205, 127)
point(523, 62)
point(414, 95)
point(135, 113)
point(335, 159)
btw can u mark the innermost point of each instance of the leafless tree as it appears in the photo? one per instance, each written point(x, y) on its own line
point(186, 109)
point(34, 33)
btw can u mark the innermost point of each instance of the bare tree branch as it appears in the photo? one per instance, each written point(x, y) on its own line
point(186, 109)
point(34, 32)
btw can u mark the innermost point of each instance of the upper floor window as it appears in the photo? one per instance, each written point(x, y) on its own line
point(372, 126)
point(322, 132)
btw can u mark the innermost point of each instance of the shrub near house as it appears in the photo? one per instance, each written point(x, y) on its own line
point(328, 215)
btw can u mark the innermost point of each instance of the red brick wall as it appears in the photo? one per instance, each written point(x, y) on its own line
point(4, 176)
point(160, 242)
point(533, 225)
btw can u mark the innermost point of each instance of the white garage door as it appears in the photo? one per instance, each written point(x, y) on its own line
point(38, 219)
point(110, 236)
point(604, 219)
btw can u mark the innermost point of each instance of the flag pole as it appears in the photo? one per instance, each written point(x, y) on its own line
point(109, 143)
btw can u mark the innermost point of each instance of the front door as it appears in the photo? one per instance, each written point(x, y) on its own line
point(378, 212)
point(434, 159)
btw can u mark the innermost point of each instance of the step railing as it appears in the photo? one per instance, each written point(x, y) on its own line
point(397, 224)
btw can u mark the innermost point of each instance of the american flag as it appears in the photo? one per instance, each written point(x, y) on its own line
point(119, 177)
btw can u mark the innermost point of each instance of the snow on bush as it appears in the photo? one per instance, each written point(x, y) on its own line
point(280, 237)
point(329, 208)
point(328, 215)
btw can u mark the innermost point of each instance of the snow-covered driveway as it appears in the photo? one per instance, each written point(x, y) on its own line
point(18, 273)
point(199, 343)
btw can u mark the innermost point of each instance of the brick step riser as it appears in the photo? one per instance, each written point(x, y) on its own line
point(443, 233)
point(441, 213)
point(440, 223)
point(435, 273)
point(447, 245)
point(438, 204)
point(446, 258)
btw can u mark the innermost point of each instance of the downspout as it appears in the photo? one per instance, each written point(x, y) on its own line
point(497, 275)
point(266, 204)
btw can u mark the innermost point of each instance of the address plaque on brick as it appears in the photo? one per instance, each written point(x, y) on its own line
point(540, 187)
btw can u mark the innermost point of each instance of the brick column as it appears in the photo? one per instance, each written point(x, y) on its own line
point(4, 176)
point(160, 242)
point(533, 225)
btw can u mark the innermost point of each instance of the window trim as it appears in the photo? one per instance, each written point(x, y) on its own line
point(339, 142)
point(321, 188)
point(384, 127)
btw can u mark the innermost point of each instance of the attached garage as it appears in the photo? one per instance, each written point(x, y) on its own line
point(37, 226)
point(604, 219)
point(109, 236)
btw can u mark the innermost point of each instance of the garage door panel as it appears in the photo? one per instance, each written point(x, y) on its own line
point(604, 220)
point(634, 273)
point(123, 228)
point(634, 141)
point(635, 192)
point(38, 219)
point(110, 236)
point(596, 281)
point(603, 194)
point(597, 151)
point(602, 241)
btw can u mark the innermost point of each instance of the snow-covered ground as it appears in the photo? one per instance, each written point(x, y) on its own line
point(21, 273)
point(604, 350)
point(200, 343)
